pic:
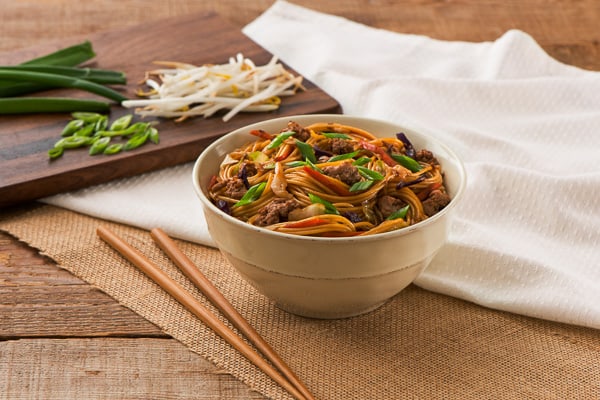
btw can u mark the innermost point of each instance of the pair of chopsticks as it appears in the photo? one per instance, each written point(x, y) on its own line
point(289, 381)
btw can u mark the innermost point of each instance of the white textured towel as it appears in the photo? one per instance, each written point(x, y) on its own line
point(526, 237)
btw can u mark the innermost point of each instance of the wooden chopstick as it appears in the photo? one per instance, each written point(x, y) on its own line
point(194, 306)
point(190, 270)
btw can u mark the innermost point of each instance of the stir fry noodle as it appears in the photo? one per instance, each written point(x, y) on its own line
point(328, 179)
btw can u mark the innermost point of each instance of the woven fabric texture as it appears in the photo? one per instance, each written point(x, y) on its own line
point(419, 345)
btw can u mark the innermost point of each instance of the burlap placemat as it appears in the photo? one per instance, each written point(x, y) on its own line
point(418, 345)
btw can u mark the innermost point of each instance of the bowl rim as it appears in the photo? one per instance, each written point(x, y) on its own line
point(333, 240)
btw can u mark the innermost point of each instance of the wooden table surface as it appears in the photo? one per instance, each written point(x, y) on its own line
point(46, 314)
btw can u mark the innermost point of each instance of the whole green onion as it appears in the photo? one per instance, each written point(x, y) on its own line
point(67, 57)
point(62, 81)
point(28, 105)
point(101, 76)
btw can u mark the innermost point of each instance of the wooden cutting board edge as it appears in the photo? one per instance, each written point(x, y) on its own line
point(41, 178)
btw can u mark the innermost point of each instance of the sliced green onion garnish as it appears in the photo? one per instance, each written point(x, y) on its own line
point(86, 116)
point(294, 164)
point(121, 123)
point(252, 194)
point(329, 207)
point(307, 151)
point(361, 185)
point(278, 140)
point(99, 146)
point(313, 166)
point(407, 162)
point(362, 161)
point(401, 213)
point(87, 130)
point(345, 156)
point(72, 127)
point(369, 173)
point(113, 148)
point(55, 152)
point(153, 135)
point(335, 135)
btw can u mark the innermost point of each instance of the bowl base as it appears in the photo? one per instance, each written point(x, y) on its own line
point(327, 314)
point(325, 298)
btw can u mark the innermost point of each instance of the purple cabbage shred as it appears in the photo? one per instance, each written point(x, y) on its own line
point(223, 206)
point(408, 147)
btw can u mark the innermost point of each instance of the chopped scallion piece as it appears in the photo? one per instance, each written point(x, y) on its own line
point(361, 185)
point(294, 164)
point(401, 213)
point(335, 135)
point(252, 194)
point(407, 162)
point(369, 173)
point(121, 123)
point(345, 156)
point(307, 151)
point(279, 139)
point(361, 161)
point(329, 207)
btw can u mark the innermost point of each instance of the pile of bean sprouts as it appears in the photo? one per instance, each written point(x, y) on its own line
point(181, 90)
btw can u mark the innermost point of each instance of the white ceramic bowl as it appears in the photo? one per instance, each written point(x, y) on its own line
point(327, 277)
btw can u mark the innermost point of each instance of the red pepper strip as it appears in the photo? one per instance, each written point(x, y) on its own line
point(212, 182)
point(334, 184)
point(425, 192)
point(306, 223)
point(380, 152)
point(262, 134)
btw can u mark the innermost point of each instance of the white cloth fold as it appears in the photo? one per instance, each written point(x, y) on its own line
point(526, 236)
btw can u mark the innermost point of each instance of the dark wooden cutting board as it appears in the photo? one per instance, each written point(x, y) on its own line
point(26, 173)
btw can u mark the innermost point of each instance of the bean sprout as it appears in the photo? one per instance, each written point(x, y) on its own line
point(185, 90)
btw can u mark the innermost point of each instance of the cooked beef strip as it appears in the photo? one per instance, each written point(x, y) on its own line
point(345, 172)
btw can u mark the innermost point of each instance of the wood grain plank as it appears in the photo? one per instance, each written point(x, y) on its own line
point(112, 368)
point(39, 299)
